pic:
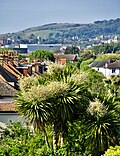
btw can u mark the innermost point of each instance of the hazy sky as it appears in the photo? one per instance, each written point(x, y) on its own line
point(17, 15)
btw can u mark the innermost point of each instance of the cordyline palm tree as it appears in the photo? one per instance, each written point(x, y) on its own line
point(103, 124)
point(66, 103)
point(32, 104)
point(58, 72)
point(55, 98)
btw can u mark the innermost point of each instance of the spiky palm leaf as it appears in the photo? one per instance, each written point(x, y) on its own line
point(103, 125)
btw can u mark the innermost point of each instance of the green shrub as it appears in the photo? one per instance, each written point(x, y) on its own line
point(113, 151)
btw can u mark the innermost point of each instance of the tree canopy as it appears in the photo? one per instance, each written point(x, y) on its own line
point(72, 50)
point(41, 55)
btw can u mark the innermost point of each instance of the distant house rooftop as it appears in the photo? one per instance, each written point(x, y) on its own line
point(11, 69)
point(114, 65)
point(62, 58)
point(7, 106)
point(69, 57)
point(105, 63)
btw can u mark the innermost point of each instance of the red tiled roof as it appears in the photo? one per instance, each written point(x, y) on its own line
point(69, 57)
point(7, 107)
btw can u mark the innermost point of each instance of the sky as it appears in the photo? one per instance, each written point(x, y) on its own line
point(17, 15)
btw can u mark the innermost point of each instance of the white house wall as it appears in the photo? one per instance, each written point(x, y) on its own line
point(107, 72)
point(104, 71)
point(117, 71)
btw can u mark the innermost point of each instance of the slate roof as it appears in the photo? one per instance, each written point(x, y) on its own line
point(6, 75)
point(102, 63)
point(115, 64)
point(94, 64)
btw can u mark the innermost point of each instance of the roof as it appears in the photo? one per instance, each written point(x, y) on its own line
point(15, 64)
point(99, 63)
point(115, 64)
point(6, 89)
point(11, 69)
point(14, 68)
point(102, 63)
point(69, 57)
point(7, 104)
point(7, 75)
point(94, 64)
point(7, 107)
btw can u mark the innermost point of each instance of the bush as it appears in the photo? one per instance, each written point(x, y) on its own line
point(17, 140)
point(113, 151)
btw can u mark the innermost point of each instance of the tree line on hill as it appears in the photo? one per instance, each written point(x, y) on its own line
point(65, 33)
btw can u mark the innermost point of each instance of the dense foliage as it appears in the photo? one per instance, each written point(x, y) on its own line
point(72, 50)
point(20, 141)
point(41, 55)
point(106, 48)
point(101, 52)
point(73, 112)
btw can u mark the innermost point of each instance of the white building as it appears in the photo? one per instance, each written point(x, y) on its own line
point(107, 67)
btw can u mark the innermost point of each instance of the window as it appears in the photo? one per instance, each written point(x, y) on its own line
point(113, 70)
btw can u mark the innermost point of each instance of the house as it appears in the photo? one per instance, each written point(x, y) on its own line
point(10, 73)
point(7, 103)
point(8, 110)
point(63, 58)
point(107, 67)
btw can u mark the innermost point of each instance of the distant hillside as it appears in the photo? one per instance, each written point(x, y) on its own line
point(65, 32)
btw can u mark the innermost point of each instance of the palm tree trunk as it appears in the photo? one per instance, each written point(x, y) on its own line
point(45, 135)
point(61, 139)
point(46, 138)
point(55, 140)
point(44, 131)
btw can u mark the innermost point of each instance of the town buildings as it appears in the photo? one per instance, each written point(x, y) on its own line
point(10, 73)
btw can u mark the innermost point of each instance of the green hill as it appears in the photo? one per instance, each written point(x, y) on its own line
point(61, 32)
